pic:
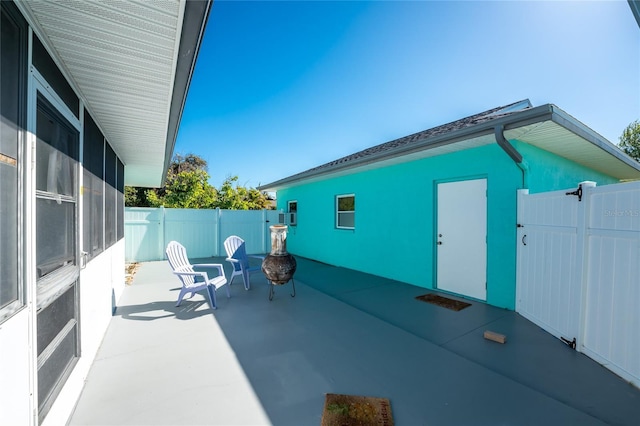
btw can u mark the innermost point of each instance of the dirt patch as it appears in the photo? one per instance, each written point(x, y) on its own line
point(130, 270)
point(350, 410)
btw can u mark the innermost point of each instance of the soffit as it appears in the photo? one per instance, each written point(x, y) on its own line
point(121, 56)
point(553, 137)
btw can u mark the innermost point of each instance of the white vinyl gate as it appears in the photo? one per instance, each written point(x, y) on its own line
point(579, 270)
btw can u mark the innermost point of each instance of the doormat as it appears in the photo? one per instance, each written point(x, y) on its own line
point(445, 302)
point(350, 410)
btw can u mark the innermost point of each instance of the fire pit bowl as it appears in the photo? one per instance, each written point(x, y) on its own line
point(279, 266)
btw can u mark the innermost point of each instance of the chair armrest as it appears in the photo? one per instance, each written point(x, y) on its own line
point(232, 260)
point(255, 256)
point(192, 274)
point(217, 266)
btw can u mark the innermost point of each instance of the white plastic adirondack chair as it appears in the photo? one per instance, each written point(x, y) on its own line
point(237, 255)
point(193, 281)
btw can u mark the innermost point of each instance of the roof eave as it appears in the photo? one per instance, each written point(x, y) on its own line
point(523, 118)
point(548, 112)
point(195, 20)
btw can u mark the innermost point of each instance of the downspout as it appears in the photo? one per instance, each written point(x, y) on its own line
point(513, 153)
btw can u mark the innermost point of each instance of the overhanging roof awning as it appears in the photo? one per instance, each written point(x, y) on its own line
point(546, 127)
point(131, 63)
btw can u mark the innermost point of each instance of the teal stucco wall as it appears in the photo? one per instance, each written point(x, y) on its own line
point(549, 172)
point(395, 214)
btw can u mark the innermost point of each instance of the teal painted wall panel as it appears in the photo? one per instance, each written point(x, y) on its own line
point(550, 172)
point(395, 221)
point(395, 214)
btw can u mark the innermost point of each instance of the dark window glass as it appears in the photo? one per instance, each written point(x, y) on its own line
point(93, 187)
point(85, 192)
point(93, 147)
point(120, 177)
point(120, 201)
point(110, 172)
point(49, 70)
point(120, 215)
point(56, 156)
point(97, 215)
point(13, 48)
point(10, 90)
point(110, 201)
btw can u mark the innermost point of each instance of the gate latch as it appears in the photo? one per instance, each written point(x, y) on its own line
point(577, 192)
point(570, 343)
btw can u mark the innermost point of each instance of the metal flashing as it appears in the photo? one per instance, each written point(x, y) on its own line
point(635, 9)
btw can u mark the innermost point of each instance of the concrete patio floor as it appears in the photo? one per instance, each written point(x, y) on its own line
point(254, 362)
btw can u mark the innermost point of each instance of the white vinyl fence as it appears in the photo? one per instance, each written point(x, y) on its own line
point(148, 231)
point(579, 270)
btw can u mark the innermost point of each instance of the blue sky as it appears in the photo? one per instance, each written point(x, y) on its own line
point(280, 87)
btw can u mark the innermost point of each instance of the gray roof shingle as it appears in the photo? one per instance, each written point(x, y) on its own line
point(406, 141)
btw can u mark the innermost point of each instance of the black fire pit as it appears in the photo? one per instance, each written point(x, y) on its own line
point(279, 266)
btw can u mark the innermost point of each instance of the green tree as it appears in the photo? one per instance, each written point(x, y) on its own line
point(630, 140)
point(235, 197)
point(185, 190)
point(136, 197)
point(187, 186)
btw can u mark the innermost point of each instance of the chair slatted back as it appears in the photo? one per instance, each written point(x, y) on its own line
point(235, 248)
point(178, 260)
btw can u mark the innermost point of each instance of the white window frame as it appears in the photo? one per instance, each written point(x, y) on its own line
point(339, 212)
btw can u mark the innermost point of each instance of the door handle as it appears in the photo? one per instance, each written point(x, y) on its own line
point(524, 239)
point(84, 258)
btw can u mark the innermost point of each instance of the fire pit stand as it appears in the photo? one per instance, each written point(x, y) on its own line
point(279, 266)
point(272, 290)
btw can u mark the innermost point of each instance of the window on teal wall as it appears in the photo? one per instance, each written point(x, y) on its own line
point(346, 211)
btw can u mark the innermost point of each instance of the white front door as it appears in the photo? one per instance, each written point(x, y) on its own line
point(461, 238)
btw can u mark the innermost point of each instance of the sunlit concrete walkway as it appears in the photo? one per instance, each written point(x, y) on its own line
point(254, 362)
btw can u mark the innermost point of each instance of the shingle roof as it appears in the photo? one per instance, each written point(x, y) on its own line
point(513, 115)
point(472, 120)
point(405, 141)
